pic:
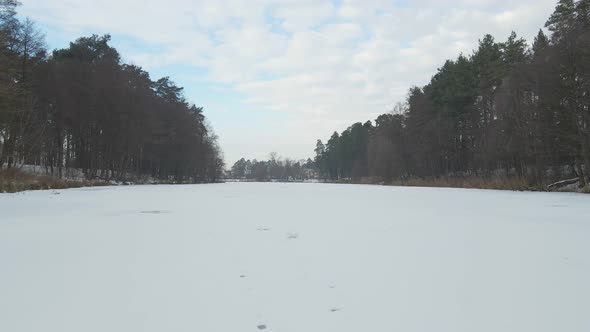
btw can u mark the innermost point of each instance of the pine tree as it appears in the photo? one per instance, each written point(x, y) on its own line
point(514, 50)
point(563, 19)
point(583, 14)
point(541, 44)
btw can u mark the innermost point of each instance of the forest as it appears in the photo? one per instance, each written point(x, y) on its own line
point(507, 110)
point(275, 168)
point(82, 108)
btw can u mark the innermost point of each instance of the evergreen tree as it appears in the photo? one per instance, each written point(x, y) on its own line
point(563, 19)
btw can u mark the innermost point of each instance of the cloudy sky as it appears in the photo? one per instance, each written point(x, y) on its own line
point(277, 75)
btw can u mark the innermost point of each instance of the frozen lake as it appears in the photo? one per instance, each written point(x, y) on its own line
point(293, 257)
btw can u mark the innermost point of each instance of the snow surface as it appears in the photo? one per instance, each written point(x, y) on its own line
point(293, 257)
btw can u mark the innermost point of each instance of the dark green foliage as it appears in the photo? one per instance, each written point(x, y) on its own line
point(346, 155)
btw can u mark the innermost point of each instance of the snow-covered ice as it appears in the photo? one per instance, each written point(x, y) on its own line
point(293, 257)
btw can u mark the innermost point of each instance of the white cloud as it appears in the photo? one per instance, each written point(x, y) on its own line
point(330, 64)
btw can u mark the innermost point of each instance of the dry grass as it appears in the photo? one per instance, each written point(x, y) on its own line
point(13, 180)
point(470, 183)
point(369, 180)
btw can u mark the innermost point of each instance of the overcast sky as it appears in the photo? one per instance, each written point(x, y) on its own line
point(278, 75)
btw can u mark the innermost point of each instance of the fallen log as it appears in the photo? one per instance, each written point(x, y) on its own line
point(563, 183)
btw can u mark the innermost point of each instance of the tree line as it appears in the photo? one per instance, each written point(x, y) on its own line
point(275, 168)
point(81, 107)
point(505, 110)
